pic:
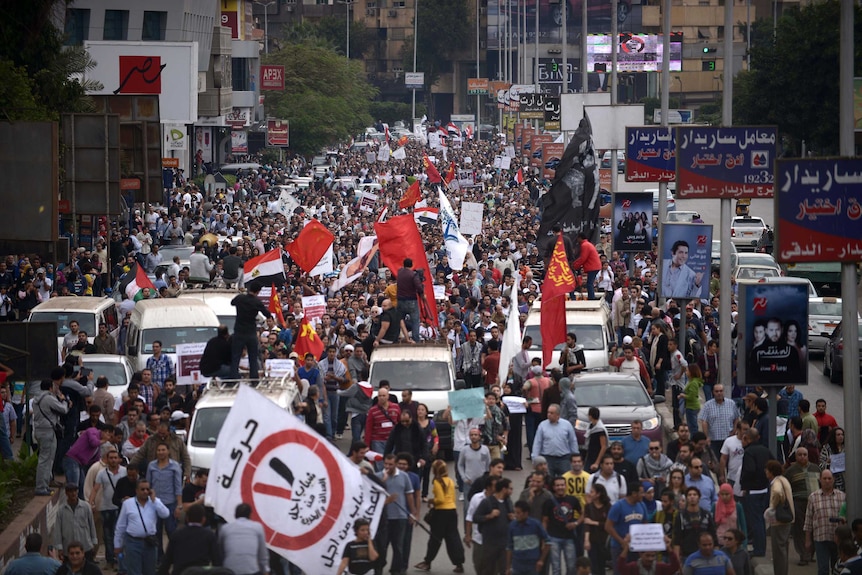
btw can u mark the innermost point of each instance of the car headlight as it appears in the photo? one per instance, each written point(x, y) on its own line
point(582, 425)
point(651, 423)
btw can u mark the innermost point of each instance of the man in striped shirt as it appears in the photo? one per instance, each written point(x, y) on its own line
point(717, 418)
point(821, 519)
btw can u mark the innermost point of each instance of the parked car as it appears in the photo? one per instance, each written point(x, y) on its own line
point(812, 292)
point(621, 399)
point(621, 161)
point(755, 272)
point(682, 216)
point(745, 232)
point(833, 356)
point(671, 201)
point(117, 368)
point(716, 256)
point(824, 315)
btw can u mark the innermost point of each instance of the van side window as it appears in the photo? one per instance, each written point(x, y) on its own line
point(132, 340)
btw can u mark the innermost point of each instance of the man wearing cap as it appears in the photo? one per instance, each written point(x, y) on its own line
point(179, 420)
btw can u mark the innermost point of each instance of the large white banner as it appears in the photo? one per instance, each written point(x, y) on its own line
point(353, 270)
point(324, 266)
point(456, 245)
point(305, 493)
point(471, 218)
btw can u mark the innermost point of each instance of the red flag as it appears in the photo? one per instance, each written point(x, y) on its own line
point(402, 141)
point(519, 176)
point(559, 281)
point(275, 306)
point(386, 131)
point(307, 340)
point(310, 245)
point(431, 171)
point(398, 239)
point(450, 174)
point(411, 196)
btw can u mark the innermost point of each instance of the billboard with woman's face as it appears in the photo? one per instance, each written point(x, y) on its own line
point(773, 331)
point(632, 221)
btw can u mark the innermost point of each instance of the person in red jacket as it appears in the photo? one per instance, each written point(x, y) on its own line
point(589, 260)
point(382, 417)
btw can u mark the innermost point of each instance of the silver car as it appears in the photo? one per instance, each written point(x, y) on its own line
point(824, 315)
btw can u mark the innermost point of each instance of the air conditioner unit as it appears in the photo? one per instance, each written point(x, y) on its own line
point(371, 12)
point(393, 13)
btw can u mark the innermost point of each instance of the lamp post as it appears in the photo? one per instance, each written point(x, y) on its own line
point(266, 6)
point(347, 6)
point(415, 29)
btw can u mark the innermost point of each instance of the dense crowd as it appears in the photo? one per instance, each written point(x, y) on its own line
point(715, 488)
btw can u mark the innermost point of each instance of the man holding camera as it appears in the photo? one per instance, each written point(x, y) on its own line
point(136, 530)
point(49, 411)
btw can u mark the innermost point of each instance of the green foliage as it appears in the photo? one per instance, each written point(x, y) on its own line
point(445, 28)
point(709, 113)
point(653, 104)
point(30, 41)
point(331, 32)
point(793, 82)
point(16, 474)
point(17, 98)
point(391, 112)
point(229, 178)
point(326, 98)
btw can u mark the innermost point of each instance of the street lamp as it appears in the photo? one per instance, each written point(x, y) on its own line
point(266, 6)
point(347, 5)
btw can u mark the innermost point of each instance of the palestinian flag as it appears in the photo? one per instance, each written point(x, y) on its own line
point(134, 282)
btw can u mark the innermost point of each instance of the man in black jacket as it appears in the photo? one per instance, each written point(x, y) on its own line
point(493, 516)
point(408, 438)
point(215, 361)
point(245, 330)
point(755, 488)
point(191, 546)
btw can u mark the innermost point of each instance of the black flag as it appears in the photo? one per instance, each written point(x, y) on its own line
point(573, 200)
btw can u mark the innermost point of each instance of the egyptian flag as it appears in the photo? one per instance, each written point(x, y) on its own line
point(519, 176)
point(453, 129)
point(264, 269)
point(134, 282)
point(426, 215)
point(450, 173)
point(275, 306)
point(386, 131)
point(399, 239)
point(310, 245)
point(307, 340)
point(468, 131)
point(411, 196)
point(559, 280)
point(431, 171)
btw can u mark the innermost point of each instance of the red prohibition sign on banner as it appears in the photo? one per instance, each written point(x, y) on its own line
point(262, 493)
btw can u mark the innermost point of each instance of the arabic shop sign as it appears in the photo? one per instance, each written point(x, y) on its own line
point(725, 162)
point(819, 207)
point(650, 154)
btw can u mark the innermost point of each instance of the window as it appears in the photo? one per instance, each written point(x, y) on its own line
point(77, 26)
point(154, 26)
point(241, 77)
point(116, 25)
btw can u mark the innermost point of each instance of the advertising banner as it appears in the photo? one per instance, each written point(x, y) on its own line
point(774, 334)
point(632, 221)
point(537, 142)
point(635, 52)
point(553, 112)
point(551, 156)
point(526, 141)
point(477, 86)
point(531, 106)
point(725, 162)
point(175, 137)
point(686, 251)
point(414, 80)
point(239, 141)
point(271, 77)
point(500, 91)
point(650, 154)
point(277, 133)
point(818, 210)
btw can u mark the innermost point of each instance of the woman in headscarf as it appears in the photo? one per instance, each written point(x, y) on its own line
point(443, 520)
point(727, 512)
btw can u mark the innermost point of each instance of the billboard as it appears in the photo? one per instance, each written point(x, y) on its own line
point(166, 69)
point(538, 142)
point(632, 221)
point(818, 210)
point(477, 86)
point(686, 255)
point(414, 80)
point(635, 52)
point(774, 334)
point(551, 156)
point(271, 77)
point(277, 133)
point(239, 141)
point(732, 162)
point(650, 154)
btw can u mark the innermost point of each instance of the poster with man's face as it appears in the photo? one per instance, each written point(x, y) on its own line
point(686, 251)
point(774, 333)
point(632, 221)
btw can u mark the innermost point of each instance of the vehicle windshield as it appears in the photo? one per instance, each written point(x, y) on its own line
point(611, 394)
point(114, 371)
point(824, 308)
point(168, 253)
point(589, 336)
point(228, 320)
point(416, 375)
point(86, 321)
point(171, 336)
point(756, 260)
point(208, 422)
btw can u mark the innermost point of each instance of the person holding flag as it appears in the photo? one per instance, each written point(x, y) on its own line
point(558, 282)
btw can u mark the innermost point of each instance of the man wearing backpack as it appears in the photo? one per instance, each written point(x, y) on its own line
point(613, 482)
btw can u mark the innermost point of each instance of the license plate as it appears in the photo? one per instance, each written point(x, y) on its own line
point(831, 325)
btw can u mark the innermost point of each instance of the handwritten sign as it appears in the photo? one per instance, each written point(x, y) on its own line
point(467, 403)
point(313, 307)
point(279, 368)
point(647, 537)
point(838, 462)
point(471, 218)
point(515, 403)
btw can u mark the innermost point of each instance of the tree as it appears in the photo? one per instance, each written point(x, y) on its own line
point(793, 82)
point(444, 30)
point(326, 98)
point(391, 112)
point(334, 29)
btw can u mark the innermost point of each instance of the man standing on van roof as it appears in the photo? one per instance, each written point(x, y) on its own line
point(409, 284)
point(245, 329)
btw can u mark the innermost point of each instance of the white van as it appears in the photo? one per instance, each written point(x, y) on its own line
point(591, 322)
point(213, 406)
point(171, 321)
point(89, 312)
point(219, 300)
point(425, 369)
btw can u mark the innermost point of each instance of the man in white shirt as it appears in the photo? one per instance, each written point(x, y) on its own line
point(472, 536)
point(731, 457)
point(613, 482)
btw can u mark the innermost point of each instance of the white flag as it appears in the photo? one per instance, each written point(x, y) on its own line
point(512, 336)
point(383, 153)
point(457, 245)
point(304, 492)
point(399, 154)
point(353, 270)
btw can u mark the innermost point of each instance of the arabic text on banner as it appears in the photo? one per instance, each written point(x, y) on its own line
point(303, 491)
point(313, 307)
point(189, 363)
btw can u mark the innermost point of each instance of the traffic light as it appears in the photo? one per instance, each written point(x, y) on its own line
point(707, 50)
point(707, 66)
point(555, 67)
